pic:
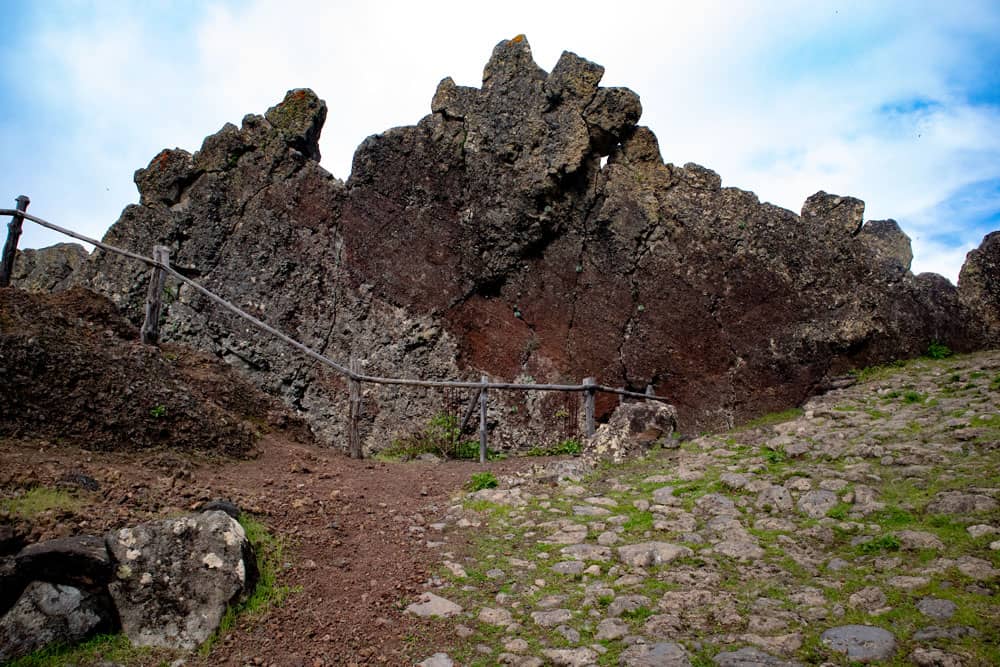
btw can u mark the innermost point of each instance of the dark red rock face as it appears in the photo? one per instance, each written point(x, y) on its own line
point(490, 238)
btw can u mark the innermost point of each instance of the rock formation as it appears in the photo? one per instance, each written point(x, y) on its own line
point(490, 237)
point(48, 269)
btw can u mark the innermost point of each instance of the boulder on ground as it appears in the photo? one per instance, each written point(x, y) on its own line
point(174, 578)
point(48, 613)
point(631, 431)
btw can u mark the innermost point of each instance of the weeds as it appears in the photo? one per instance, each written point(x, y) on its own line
point(482, 480)
point(938, 350)
point(38, 499)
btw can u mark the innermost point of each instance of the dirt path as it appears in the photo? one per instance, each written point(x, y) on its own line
point(356, 535)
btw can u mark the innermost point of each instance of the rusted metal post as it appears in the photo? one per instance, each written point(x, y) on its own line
point(588, 398)
point(154, 296)
point(482, 418)
point(13, 236)
point(354, 434)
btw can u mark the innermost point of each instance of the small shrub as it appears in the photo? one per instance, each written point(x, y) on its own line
point(482, 480)
point(158, 411)
point(36, 500)
point(913, 397)
point(570, 446)
point(773, 456)
point(639, 614)
point(879, 544)
point(938, 350)
point(441, 437)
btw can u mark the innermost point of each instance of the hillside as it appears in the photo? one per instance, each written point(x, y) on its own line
point(875, 505)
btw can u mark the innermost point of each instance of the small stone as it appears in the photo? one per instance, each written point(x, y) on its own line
point(437, 660)
point(495, 573)
point(568, 633)
point(651, 553)
point(869, 599)
point(815, 504)
point(433, 605)
point(977, 568)
point(587, 552)
point(627, 603)
point(915, 539)
point(568, 567)
point(908, 583)
point(861, 643)
point(936, 608)
point(660, 654)
point(980, 529)
point(491, 616)
point(611, 628)
point(750, 657)
point(550, 619)
point(571, 657)
point(517, 645)
point(934, 657)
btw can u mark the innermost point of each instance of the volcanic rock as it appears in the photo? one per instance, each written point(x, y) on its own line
point(490, 237)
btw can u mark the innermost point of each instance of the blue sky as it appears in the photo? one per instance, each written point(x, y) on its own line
point(897, 103)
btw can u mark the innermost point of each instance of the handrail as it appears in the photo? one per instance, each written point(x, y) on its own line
point(316, 356)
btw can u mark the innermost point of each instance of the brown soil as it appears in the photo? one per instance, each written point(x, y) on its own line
point(78, 410)
point(350, 554)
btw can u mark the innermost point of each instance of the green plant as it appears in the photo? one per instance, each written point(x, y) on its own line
point(36, 500)
point(912, 397)
point(158, 411)
point(482, 480)
point(441, 437)
point(938, 350)
point(773, 455)
point(774, 418)
point(879, 544)
point(570, 446)
point(99, 649)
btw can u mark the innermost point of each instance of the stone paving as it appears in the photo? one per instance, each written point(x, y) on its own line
point(863, 528)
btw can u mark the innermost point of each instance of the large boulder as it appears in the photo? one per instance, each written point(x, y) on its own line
point(631, 431)
point(82, 561)
point(174, 578)
point(527, 228)
point(48, 613)
point(979, 286)
point(47, 269)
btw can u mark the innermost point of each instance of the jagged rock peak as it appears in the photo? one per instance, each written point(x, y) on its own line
point(292, 125)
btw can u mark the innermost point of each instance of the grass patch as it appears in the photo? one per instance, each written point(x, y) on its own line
point(773, 418)
point(268, 592)
point(878, 545)
point(637, 615)
point(877, 372)
point(441, 436)
point(96, 650)
point(482, 480)
point(570, 447)
point(911, 396)
point(39, 499)
point(937, 350)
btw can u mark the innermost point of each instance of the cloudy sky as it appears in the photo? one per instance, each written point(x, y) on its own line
point(897, 103)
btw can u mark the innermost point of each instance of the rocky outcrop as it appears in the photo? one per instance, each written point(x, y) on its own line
point(48, 269)
point(493, 236)
point(979, 287)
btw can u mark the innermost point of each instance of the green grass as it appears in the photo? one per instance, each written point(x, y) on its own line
point(877, 372)
point(878, 545)
point(482, 480)
point(268, 592)
point(773, 418)
point(39, 499)
point(570, 446)
point(97, 649)
point(938, 350)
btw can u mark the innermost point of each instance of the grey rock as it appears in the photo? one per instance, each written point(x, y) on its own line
point(82, 561)
point(816, 504)
point(587, 552)
point(552, 617)
point(860, 643)
point(774, 498)
point(750, 656)
point(571, 657)
point(175, 578)
point(660, 654)
point(632, 429)
point(936, 608)
point(979, 286)
point(433, 605)
point(437, 660)
point(959, 502)
point(611, 628)
point(48, 269)
point(934, 657)
point(627, 603)
point(568, 567)
point(49, 613)
point(934, 632)
point(645, 554)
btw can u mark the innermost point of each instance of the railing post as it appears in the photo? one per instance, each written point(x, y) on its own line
point(13, 236)
point(483, 399)
point(354, 433)
point(154, 296)
point(649, 390)
point(588, 398)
